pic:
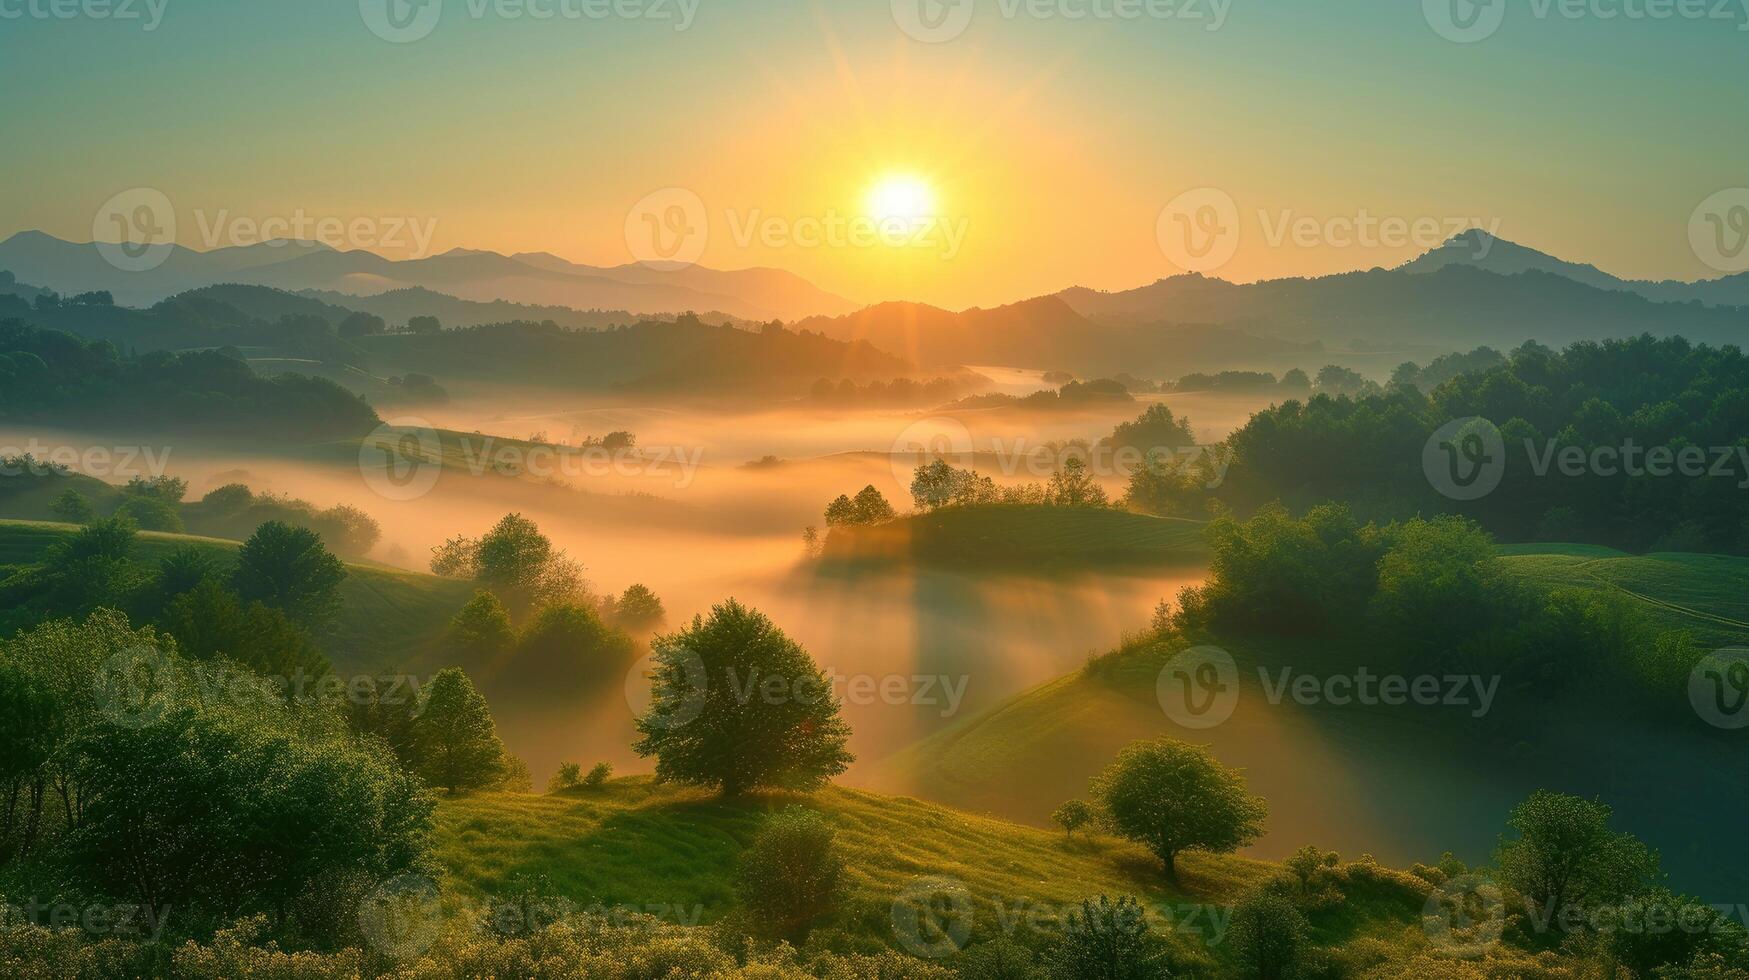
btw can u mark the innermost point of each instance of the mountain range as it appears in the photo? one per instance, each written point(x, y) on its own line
point(535, 278)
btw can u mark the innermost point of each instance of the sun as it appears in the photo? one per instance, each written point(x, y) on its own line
point(901, 198)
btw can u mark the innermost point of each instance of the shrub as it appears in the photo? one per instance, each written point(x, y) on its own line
point(599, 773)
point(568, 776)
point(791, 876)
point(1267, 936)
point(1109, 939)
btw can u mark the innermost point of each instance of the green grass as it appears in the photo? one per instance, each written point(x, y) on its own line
point(387, 616)
point(633, 842)
point(1707, 595)
point(1024, 537)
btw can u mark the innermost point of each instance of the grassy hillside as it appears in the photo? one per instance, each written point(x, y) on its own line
point(1024, 537)
point(386, 615)
point(639, 844)
point(1707, 595)
point(1404, 784)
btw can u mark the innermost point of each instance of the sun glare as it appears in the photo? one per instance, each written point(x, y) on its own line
point(902, 198)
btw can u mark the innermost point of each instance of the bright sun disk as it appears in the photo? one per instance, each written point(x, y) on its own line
point(902, 198)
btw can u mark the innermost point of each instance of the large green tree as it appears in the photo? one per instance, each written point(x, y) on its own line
point(289, 569)
point(1172, 797)
point(456, 741)
point(738, 705)
point(1565, 856)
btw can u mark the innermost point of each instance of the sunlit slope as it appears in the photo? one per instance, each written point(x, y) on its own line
point(386, 615)
point(636, 843)
point(1024, 537)
point(1402, 785)
point(1707, 595)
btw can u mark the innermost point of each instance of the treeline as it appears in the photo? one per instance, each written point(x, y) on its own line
point(1425, 597)
point(157, 504)
point(1075, 394)
point(1595, 403)
point(46, 375)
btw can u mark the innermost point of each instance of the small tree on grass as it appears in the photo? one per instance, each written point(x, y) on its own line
point(1072, 816)
point(791, 876)
point(735, 704)
point(638, 609)
point(599, 773)
point(481, 631)
point(457, 742)
point(1172, 797)
point(1268, 936)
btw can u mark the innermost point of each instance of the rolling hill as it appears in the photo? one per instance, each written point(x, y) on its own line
point(636, 844)
point(758, 294)
point(387, 615)
point(1395, 783)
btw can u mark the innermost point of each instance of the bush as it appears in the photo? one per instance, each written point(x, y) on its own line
point(1110, 940)
point(72, 507)
point(1267, 935)
point(568, 776)
point(151, 514)
point(599, 773)
point(791, 876)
